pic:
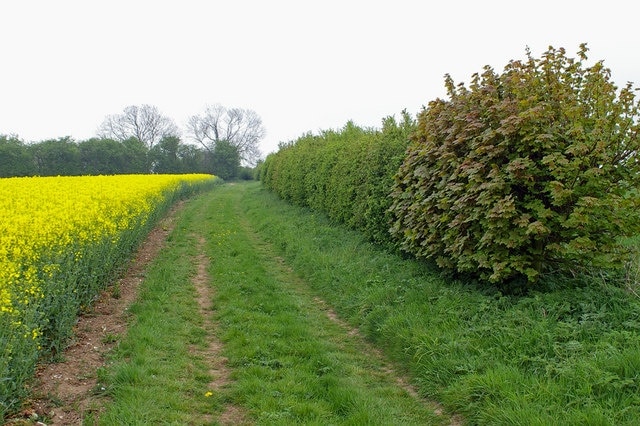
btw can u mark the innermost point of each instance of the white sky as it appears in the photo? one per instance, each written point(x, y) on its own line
point(301, 65)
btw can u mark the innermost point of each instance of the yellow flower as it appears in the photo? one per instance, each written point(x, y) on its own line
point(46, 222)
point(207, 394)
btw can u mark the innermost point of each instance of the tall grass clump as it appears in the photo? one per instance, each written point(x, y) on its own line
point(62, 240)
point(348, 174)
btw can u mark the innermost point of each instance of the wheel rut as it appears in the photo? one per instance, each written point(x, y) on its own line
point(212, 354)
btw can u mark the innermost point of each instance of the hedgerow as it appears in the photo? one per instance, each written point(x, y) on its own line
point(525, 172)
point(347, 174)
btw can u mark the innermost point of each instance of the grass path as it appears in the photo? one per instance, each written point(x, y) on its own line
point(253, 314)
point(226, 332)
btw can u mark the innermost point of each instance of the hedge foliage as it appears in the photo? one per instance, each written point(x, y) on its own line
point(524, 172)
point(348, 174)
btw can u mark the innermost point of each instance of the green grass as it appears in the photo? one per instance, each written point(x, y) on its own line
point(290, 364)
point(562, 356)
point(155, 376)
point(568, 355)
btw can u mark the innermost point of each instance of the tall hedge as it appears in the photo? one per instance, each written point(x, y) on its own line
point(524, 172)
point(347, 173)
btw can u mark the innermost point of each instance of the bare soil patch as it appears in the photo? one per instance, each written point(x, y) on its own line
point(64, 392)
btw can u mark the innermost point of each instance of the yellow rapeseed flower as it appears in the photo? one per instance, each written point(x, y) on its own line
point(44, 219)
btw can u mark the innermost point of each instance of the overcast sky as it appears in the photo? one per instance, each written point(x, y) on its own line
point(303, 66)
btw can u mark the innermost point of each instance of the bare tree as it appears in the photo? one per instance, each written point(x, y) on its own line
point(144, 122)
point(242, 128)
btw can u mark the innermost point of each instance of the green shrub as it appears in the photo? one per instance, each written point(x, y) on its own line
point(524, 172)
point(347, 174)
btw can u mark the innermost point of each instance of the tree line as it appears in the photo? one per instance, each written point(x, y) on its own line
point(142, 140)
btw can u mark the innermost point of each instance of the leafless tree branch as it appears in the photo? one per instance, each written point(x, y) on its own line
point(144, 122)
point(241, 127)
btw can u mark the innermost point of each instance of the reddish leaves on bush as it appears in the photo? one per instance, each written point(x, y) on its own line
point(523, 172)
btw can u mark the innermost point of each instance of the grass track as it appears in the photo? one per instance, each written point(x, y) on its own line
point(567, 355)
point(289, 362)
